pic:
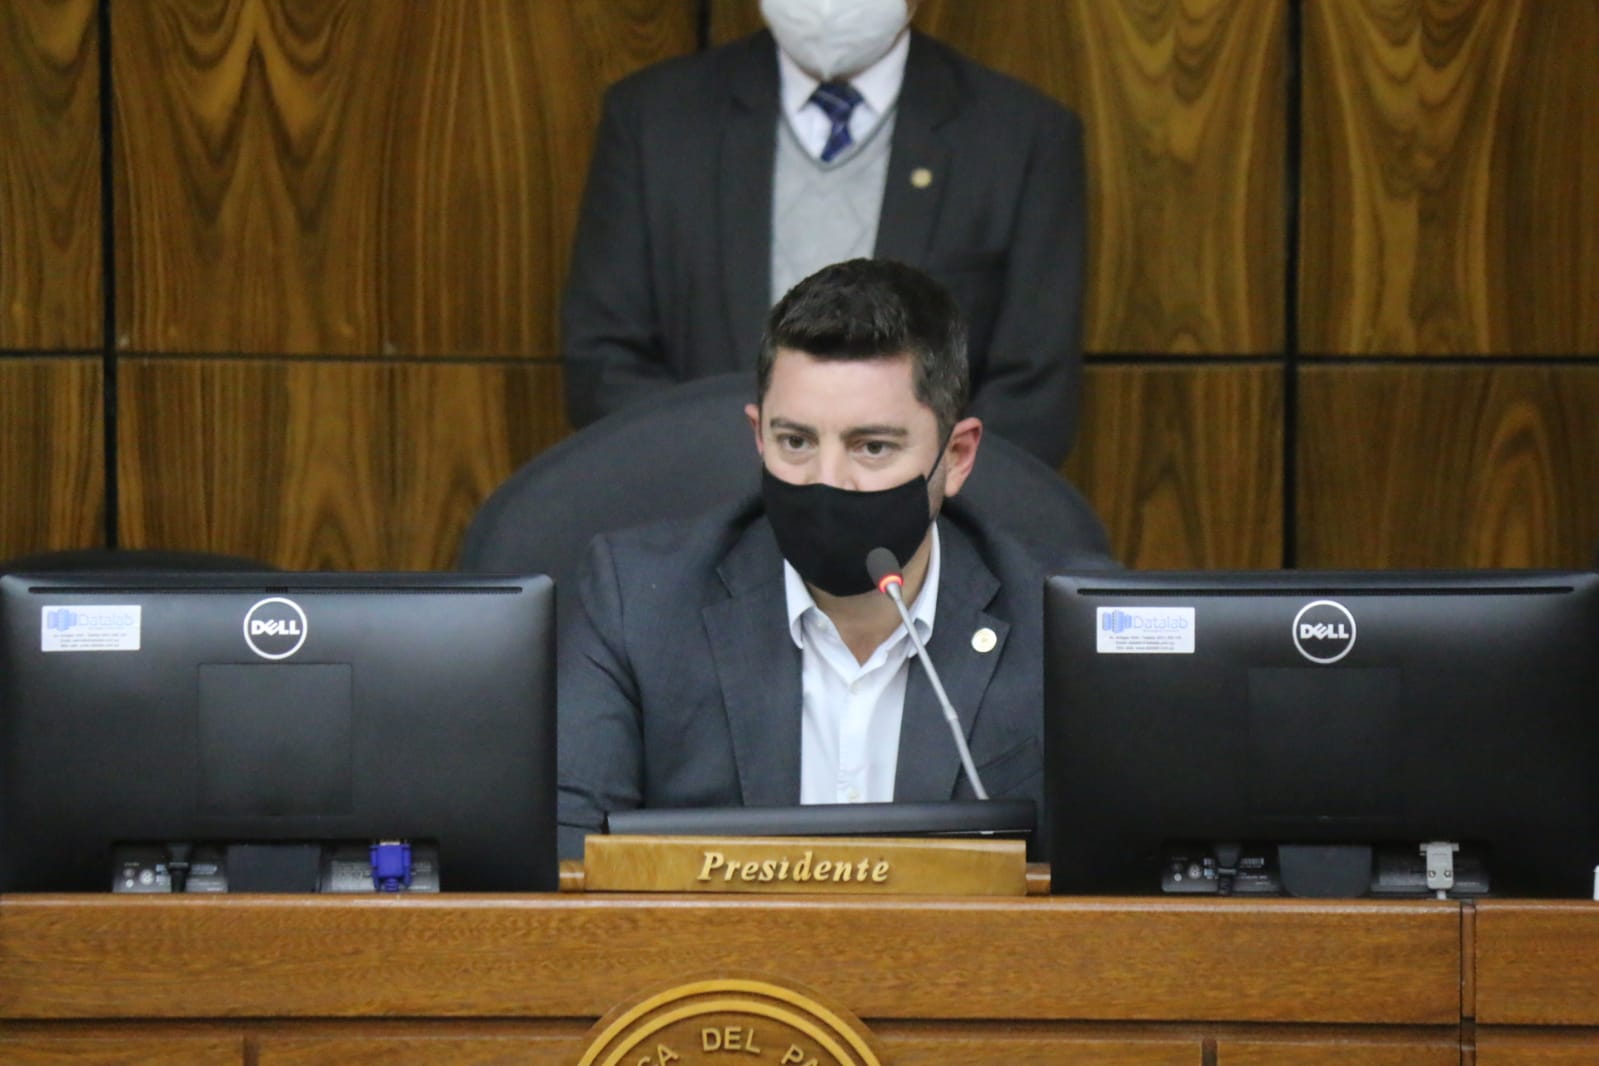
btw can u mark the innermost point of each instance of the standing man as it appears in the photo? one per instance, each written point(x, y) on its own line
point(721, 179)
point(745, 658)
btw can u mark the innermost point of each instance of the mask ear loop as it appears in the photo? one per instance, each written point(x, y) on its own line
point(942, 448)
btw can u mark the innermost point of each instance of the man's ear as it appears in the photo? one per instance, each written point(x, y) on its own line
point(961, 453)
point(753, 413)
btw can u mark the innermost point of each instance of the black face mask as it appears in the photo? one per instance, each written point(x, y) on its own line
point(825, 532)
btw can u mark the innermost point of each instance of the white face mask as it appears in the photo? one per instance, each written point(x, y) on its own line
point(835, 38)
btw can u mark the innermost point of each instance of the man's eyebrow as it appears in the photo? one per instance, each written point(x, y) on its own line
point(876, 430)
point(884, 430)
point(777, 422)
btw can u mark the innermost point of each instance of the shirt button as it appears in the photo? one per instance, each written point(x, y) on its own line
point(854, 687)
point(853, 795)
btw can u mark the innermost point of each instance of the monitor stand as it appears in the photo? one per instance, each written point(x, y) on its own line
point(1440, 869)
point(1324, 871)
point(305, 866)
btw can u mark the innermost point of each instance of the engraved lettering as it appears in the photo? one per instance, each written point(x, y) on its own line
point(730, 869)
point(730, 1038)
point(736, 1022)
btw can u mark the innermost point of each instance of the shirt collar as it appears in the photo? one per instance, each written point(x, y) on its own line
point(799, 600)
point(878, 84)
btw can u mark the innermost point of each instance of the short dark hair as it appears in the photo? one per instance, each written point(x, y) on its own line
point(875, 309)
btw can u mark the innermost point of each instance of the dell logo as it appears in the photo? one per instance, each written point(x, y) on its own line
point(275, 628)
point(1324, 631)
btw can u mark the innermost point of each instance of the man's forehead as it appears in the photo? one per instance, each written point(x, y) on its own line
point(845, 399)
point(884, 383)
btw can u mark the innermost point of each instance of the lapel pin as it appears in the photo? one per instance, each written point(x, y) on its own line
point(921, 177)
point(983, 640)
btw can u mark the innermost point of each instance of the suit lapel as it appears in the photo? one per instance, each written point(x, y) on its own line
point(758, 667)
point(929, 764)
point(744, 192)
point(918, 164)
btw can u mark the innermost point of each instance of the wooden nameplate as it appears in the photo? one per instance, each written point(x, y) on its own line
point(884, 866)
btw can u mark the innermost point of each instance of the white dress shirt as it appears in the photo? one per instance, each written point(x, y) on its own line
point(878, 84)
point(851, 713)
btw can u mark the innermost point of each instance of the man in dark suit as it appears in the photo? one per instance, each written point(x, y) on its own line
point(745, 657)
point(718, 180)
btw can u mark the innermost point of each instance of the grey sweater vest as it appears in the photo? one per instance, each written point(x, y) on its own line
point(825, 212)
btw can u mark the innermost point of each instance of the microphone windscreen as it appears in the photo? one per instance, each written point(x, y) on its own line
point(880, 563)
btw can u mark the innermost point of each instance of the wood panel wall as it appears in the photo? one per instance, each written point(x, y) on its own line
point(1343, 304)
point(1449, 285)
point(337, 333)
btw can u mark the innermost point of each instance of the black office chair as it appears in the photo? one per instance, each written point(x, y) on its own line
point(690, 449)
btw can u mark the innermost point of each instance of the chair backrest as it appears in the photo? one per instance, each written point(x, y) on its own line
point(690, 449)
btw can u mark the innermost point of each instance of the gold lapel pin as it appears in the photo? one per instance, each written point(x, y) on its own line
point(921, 177)
point(983, 641)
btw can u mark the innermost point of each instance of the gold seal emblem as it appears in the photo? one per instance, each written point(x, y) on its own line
point(704, 1021)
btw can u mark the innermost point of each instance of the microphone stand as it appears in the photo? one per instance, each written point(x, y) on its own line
point(889, 581)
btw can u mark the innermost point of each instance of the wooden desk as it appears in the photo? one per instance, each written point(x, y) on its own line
point(1536, 975)
point(276, 980)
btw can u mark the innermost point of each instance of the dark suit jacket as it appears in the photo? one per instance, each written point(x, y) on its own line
point(671, 269)
point(680, 682)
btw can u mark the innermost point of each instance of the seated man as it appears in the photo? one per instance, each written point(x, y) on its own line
point(745, 657)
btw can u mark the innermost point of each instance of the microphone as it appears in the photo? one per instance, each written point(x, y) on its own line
point(885, 571)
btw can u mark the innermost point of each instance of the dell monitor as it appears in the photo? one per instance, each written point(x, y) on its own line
point(1313, 733)
point(261, 718)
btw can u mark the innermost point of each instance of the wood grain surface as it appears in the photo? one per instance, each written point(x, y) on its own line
point(52, 454)
point(358, 178)
point(731, 19)
point(560, 1043)
point(1423, 466)
point(1367, 1049)
point(323, 465)
point(527, 1048)
point(1537, 963)
point(1186, 136)
point(50, 289)
point(563, 957)
point(1446, 208)
point(1184, 463)
point(1523, 1048)
point(124, 1048)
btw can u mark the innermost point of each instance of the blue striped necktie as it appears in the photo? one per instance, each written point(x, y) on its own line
point(837, 99)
